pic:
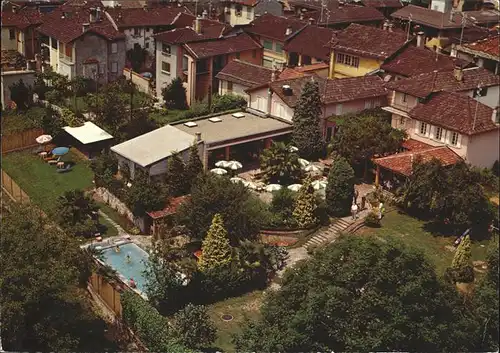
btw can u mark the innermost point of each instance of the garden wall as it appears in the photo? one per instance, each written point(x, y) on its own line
point(143, 84)
point(116, 204)
point(108, 294)
point(11, 187)
point(20, 140)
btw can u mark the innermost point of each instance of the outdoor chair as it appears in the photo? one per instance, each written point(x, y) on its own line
point(65, 169)
point(54, 161)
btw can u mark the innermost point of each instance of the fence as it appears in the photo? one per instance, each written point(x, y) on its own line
point(10, 186)
point(20, 140)
point(108, 294)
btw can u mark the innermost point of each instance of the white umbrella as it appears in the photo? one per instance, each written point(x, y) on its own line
point(233, 165)
point(293, 149)
point(221, 164)
point(43, 139)
point(237, 180)
point(294, 187)
point(219, 171)
point(303, 163)
point(319, 184)
point(273, 187)
point(312, 168)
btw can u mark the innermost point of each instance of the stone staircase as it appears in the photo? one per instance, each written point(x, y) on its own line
point(328, 234)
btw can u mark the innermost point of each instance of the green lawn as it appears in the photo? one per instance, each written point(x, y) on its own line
point(41, 181)
point(411, 231)
point(241, 308)
point(80, 105)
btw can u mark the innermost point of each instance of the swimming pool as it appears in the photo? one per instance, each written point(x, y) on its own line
point(128, 269)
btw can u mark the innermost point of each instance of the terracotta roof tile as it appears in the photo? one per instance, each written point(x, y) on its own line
point(413, 61)
point(65, 24)
point(332, 91)
point(402, 163)
point(134, 17)
point(21, 19)
point(313, 4)
point(369, 41)
point(209, 30)
point(441, 20)
point(311, 41)
point(415, 145)
point(227, 45)
point(245, 74)
point(289, 73)
point(489, 47)
point(345, 14)
point(423, 85)
point(455, 112)
point(383, 3)
point(275, 27)
point(170, 209)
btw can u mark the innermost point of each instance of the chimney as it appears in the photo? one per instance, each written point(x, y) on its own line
point(204, 14)
point(495, 115)
point(301, 16)
point(458, 73)
point(389, 27)
point(310, 20)
point(14, 9)
point(92, 15)
point(85, 26)
point(197, 25)
point(385, 25)
point(274, 74)
point(145, 6)
point(118, 5)
point(198, 136)
point(420, 40)
point(288, 31)
point(98, 14)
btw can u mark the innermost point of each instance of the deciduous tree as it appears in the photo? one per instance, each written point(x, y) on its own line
point(306, 122)
point(194, 327)
point(145, 195)
point(21, 94)
point(75, 213)
point(340, 188)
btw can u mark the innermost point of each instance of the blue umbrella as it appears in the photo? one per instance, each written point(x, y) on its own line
point(60, 151)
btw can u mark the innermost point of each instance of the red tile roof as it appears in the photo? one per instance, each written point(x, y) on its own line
point(489, 48)
point(227, 45)
point(312, 67)
point(423, 85)
point(170, 209)
point(415, 145)
point(413, 61)
point(209, 30)
point(134, 17)
point(274, 27)
point(289, 73)
point(345, 14)
point(369, 42)
point(245, 2)
point(245, 74)
point(441, 20)
point(332, 91)
point(21, 19)
point(455, 112)
point(311, 41)
point(382, 3)
point(402, 163)
point(66, 25)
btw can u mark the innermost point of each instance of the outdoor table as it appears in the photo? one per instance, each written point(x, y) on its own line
point(43, 154)
point(60, 164)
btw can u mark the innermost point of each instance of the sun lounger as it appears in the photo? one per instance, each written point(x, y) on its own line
point(65, 169)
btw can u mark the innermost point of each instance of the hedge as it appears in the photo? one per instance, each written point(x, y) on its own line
point(152, 328)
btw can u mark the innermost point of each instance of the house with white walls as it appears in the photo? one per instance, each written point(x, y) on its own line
point(338, 97)
point(242, 12)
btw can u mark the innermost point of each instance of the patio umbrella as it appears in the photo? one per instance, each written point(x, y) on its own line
point(221, 164)
point(273, 187)
point(42, 139)
point(237, 180)
point(219, 171)
point(319, 184)
point(233, 165)
point(60, 151)
point(312, 168)
point(303, 163)
point(294, 187)
point(293, 149)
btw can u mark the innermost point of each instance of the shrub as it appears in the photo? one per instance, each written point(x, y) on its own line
point(197, 109)
point(71, 119)
point(54, 96)
point(496, 168)
point(227, 102)
point(340, 188)
point(175, 95)
point(193, 326)
point(372, 220)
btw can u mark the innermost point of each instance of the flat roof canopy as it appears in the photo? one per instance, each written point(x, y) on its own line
point(154, 146)
point(88, 133)
point(232, 130)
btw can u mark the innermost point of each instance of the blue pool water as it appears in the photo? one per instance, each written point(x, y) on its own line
point(133, 269)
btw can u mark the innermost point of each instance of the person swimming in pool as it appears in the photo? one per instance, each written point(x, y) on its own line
point(117, 249)
point(128, 258)
point(131, 283)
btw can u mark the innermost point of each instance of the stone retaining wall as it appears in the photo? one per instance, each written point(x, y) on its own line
point(116, 204)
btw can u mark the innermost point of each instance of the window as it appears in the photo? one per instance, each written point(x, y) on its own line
point(147, 45)
point(12, 33)
point(438, 133)
point(267, 63)
point(423, 128)
point(165, 67)
point(114, 67)
point(454, 138)
point(166, 49)
point(268, 44)
point(147, 29)
point(249, 13)
point(114, 48)
point(338, 109)
point(184, 63)
point(53, 42)
point(229, 86)
point(101, 69)
point(201, 66)
point(480, 92)
point(371, 103)
point(402, 120)
point(238, 9)
point(404, 98)
point(137, 31)
point(348, 60)
point(279, 48)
